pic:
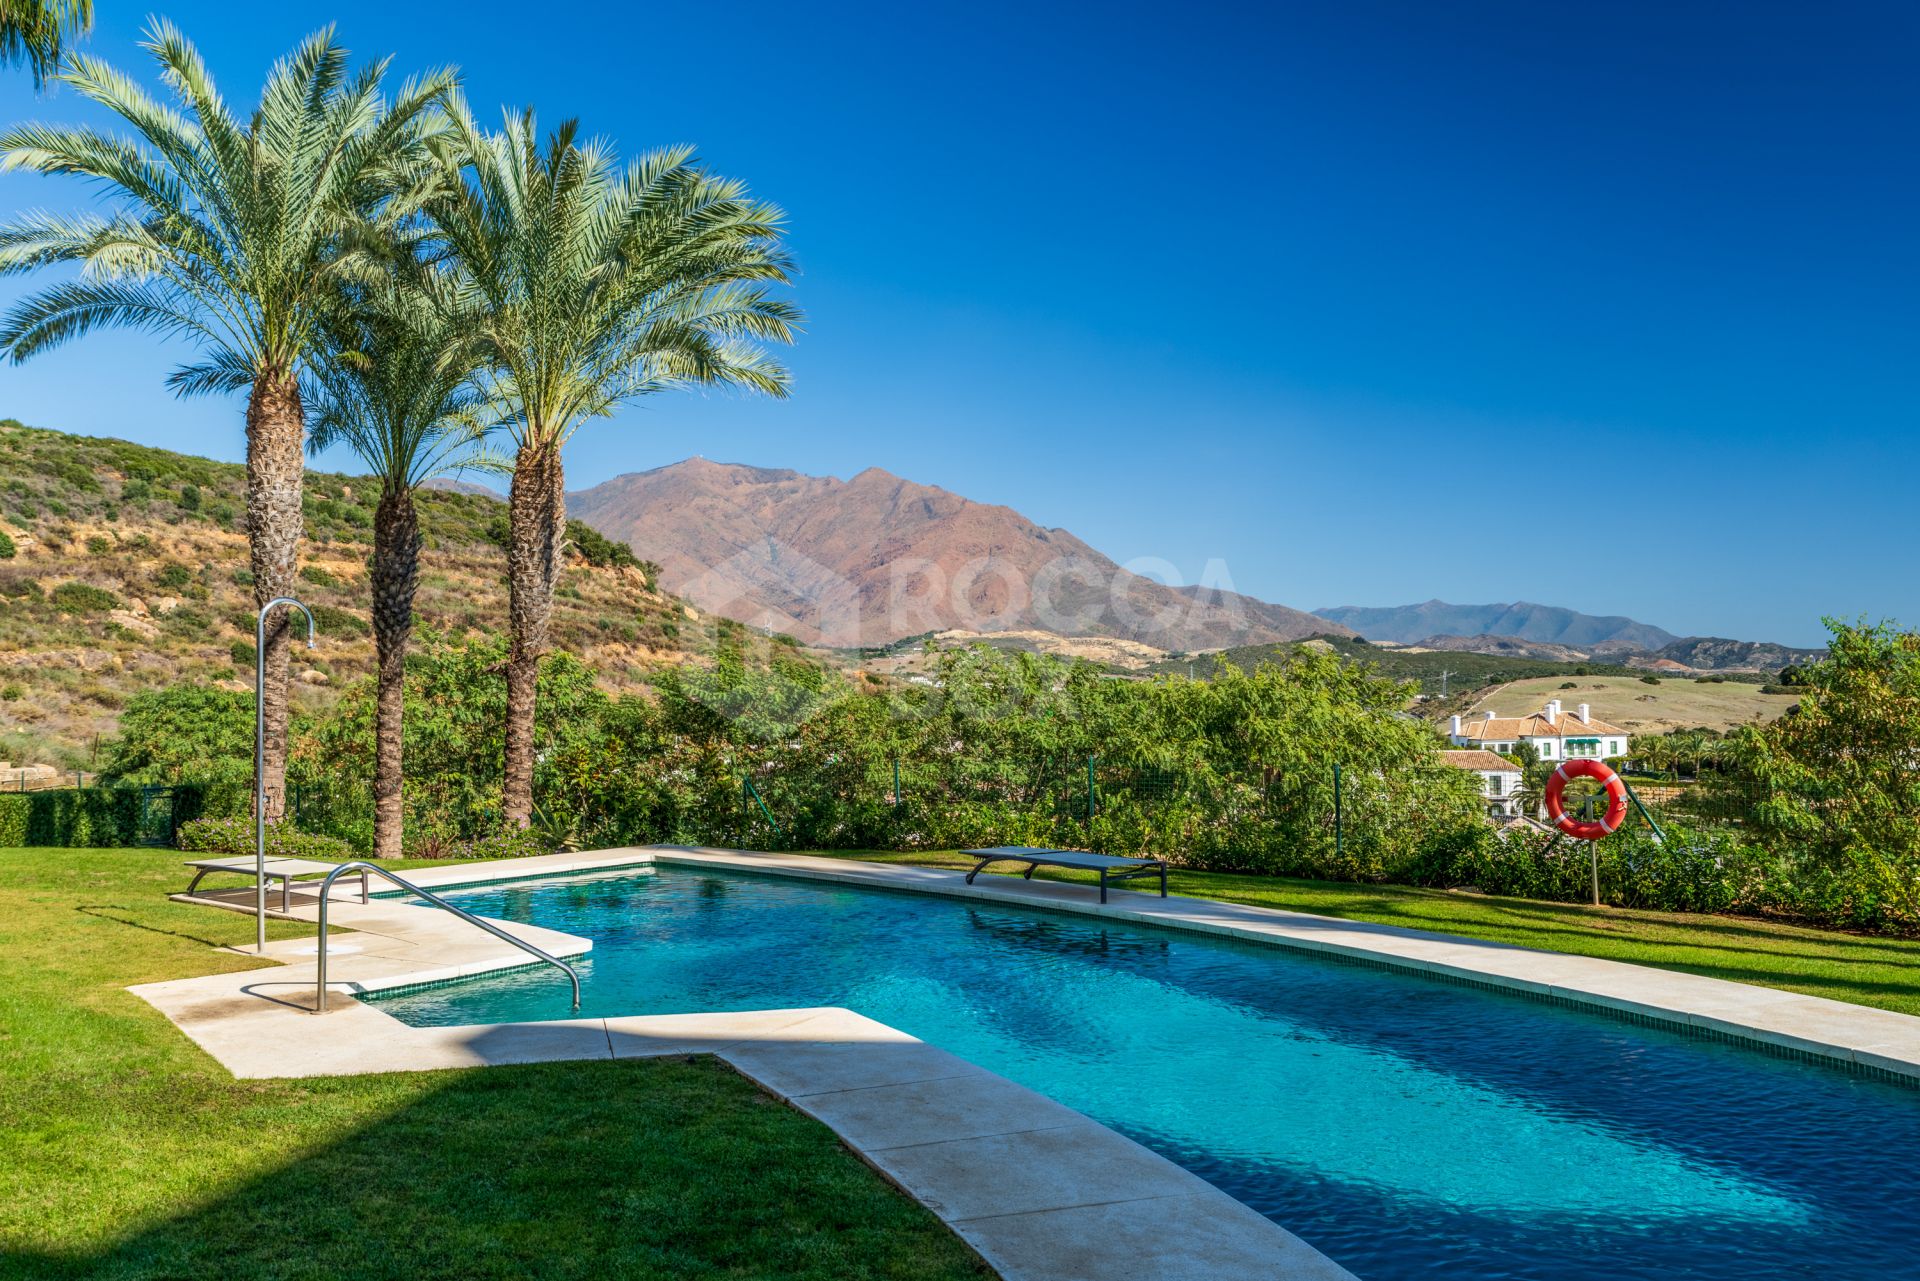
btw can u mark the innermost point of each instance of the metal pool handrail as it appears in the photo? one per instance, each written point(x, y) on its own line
point(360, 865)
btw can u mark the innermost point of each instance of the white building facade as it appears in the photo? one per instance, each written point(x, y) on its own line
point(1499, 779)
point(1554, 734)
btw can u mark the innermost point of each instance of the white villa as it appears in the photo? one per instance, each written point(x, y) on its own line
point(1552, 732)
point(1499, 779)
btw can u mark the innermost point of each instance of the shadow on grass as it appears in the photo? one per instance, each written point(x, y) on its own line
point(105, 912)
point(637, 1169)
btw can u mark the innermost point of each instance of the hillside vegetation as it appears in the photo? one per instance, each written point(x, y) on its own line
point(125, 568)
point(1423, 667)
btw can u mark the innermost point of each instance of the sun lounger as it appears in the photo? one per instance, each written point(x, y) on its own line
point(280, 869)
point(1110, 868)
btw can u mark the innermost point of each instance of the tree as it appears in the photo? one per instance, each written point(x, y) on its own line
point(1841, 777)
point(234, 236)
point(397, 391)
point(36, 32)
point(591, 287)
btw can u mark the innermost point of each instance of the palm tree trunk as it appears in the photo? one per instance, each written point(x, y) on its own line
point(396, 569)
point(276, 430)
point(536, 517)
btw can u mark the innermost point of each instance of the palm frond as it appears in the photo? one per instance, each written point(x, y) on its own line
point(236, 232)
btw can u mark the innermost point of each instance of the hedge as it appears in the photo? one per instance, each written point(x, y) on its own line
point(92, 817)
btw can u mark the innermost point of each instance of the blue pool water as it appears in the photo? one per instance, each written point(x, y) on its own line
point(1406, 1127)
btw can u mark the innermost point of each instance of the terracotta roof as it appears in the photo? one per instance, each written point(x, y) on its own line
point(1479, 760)
point(1503, 728)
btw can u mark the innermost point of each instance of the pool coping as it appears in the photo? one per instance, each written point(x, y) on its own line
point(1039, 1191)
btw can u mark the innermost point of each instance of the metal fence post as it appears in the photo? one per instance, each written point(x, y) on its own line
point(1339, 822)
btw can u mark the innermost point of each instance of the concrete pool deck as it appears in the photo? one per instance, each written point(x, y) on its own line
point(1043, 1193)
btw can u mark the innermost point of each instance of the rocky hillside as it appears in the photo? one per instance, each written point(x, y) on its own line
point(1717, 654)
point(867, 561)
point(1591, 633)
point(124, 567)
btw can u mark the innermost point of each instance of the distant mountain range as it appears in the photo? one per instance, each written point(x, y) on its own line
point(876, 559)
point(1409, 624)
point(1550, 633)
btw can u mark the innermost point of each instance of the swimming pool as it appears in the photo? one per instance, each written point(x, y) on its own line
point(1406, 1127)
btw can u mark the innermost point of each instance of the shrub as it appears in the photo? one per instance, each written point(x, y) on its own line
point(13, 820)
point(242, 653)
point(319, 576)
point(597, 549)
point(330, 620)
point(1649, 680)
point(189, 499)
point(99, 545)
point(7, 549)
point(95, 817)
point(12, 692)
point(511, 843)
point(80, 598)
point(235, 835)
point(173, 576)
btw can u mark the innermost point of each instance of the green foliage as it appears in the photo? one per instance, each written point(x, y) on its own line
point(319, 576)
point(1649, 679)
point(236, 835)
point(12, 692)
point(1464, 671)
point(333, 622)
point(94, 817)
point(172, 576)
point(99, 545)
point(185, 733)
point(189, 499)
point(7, 550)
point(82, 598)
point(599, 550)
point(1841, 787)
point(243, 653)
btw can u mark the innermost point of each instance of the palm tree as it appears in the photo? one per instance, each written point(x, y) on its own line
point(234, 236)
point(397, 389)
point(36, 32)
point(592, 286)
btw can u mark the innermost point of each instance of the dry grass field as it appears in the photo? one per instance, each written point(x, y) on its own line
point(1640, 708)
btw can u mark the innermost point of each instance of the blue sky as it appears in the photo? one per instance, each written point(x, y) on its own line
point(1615, 307)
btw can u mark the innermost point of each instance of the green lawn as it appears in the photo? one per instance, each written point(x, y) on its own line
point(126, 1152)
point(1867, 971)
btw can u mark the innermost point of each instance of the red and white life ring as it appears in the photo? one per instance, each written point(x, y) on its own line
point(1616, 800)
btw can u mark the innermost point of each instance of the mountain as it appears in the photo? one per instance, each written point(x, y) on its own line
point(448, 485)
point(1717, 654)
point(1504, 647)
point(875, 559)
point(1409, 624)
